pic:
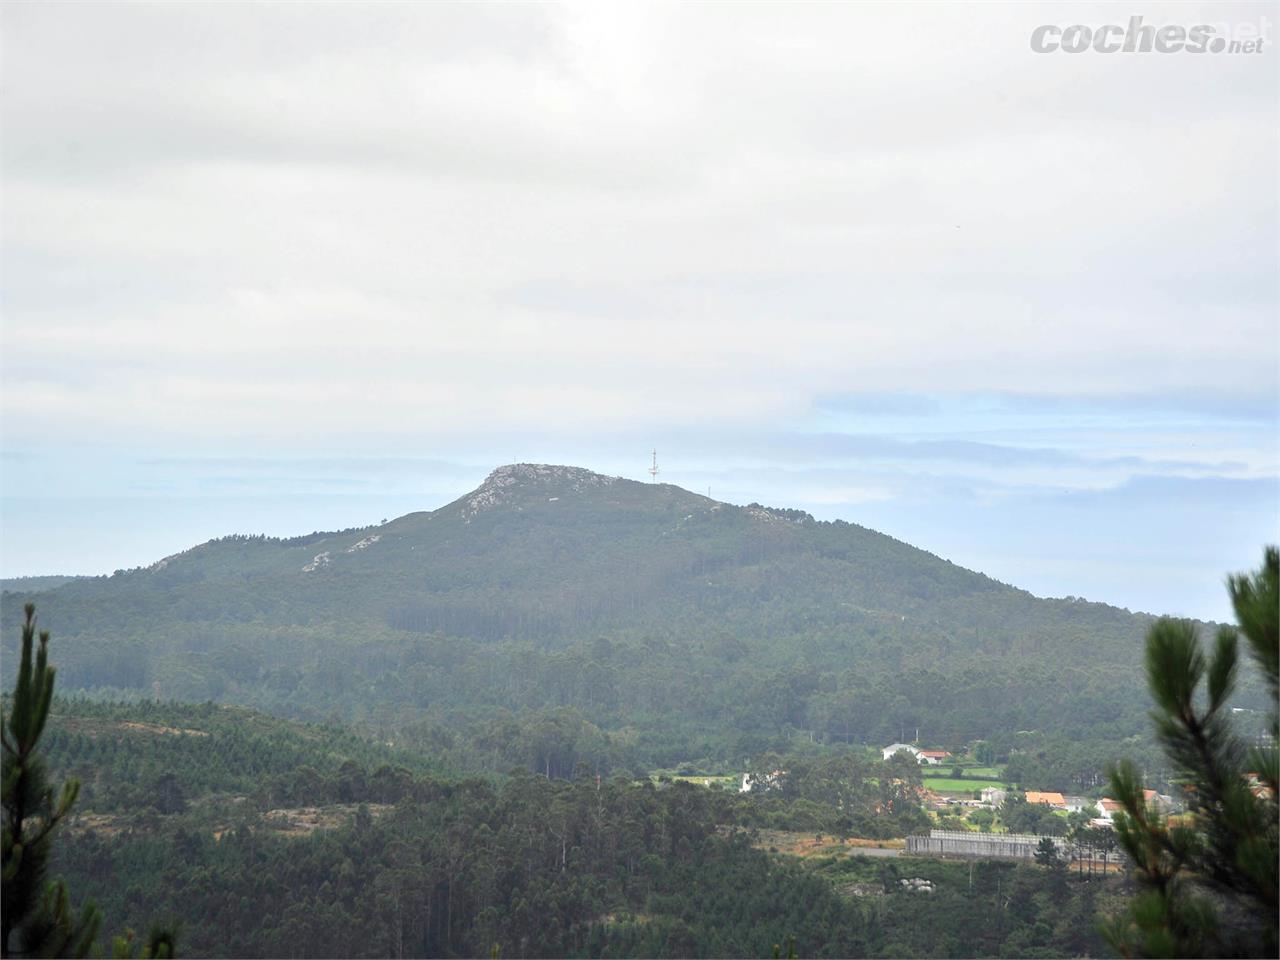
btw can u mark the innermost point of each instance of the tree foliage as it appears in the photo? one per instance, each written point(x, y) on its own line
point(551, 867)
point(1208, 882)
point(38, 919)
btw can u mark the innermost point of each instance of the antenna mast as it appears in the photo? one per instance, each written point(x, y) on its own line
point(653, 470)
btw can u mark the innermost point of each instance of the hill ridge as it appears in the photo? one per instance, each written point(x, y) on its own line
point(641, 604)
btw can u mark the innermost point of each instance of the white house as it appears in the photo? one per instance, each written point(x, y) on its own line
point(893, 748)
point(1109, 808)
point(993, 795)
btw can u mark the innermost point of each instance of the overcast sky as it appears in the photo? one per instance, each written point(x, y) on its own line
point(301, 266)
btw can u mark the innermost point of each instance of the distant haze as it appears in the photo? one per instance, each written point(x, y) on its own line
point(285, 267)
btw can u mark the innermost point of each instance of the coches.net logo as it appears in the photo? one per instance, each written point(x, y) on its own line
point(1139, 37)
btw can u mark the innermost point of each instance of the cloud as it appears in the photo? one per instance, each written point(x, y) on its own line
point(1216, 405)
point(886, 246)
point(293, 222)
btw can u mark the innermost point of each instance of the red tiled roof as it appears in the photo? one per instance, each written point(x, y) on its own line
point(1053, 799)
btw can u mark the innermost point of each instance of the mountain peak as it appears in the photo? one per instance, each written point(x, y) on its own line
point(514, 480)
point(546, 474)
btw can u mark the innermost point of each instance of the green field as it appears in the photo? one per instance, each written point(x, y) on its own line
point(951, 785)
point(725, 782)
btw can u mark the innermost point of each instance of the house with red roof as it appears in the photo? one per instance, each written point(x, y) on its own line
point(1055, 800)
point(934, 758)
point(1109, 809)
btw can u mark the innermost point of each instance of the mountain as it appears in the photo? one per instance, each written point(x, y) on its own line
point(34, 584)
point(550, 553)
point(672, 623)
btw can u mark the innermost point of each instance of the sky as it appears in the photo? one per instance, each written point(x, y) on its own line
point(291, 267)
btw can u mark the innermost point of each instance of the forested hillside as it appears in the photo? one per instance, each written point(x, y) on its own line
point(144, 756)
point(256, 837)
point(546, 868)
point(645, 623)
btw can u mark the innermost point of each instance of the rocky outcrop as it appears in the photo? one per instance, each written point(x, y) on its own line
point(515, 480)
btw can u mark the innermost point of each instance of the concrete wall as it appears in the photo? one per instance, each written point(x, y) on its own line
point(980, 846)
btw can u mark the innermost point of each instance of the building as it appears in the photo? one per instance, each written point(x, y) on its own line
point(1109, 808)
point(982, 846)
point(993, 795)
point(1160, 801)
point(1055, 800)
point(933, 758)
point(893, 748)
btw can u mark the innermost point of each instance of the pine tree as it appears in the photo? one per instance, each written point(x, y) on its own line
point(37, 919)
point(1047, 853)
point(1208, 887)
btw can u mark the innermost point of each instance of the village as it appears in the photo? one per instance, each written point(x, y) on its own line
point(963, 795)
point(963, 803)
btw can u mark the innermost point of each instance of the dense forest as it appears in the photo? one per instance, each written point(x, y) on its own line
point(261, 837)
